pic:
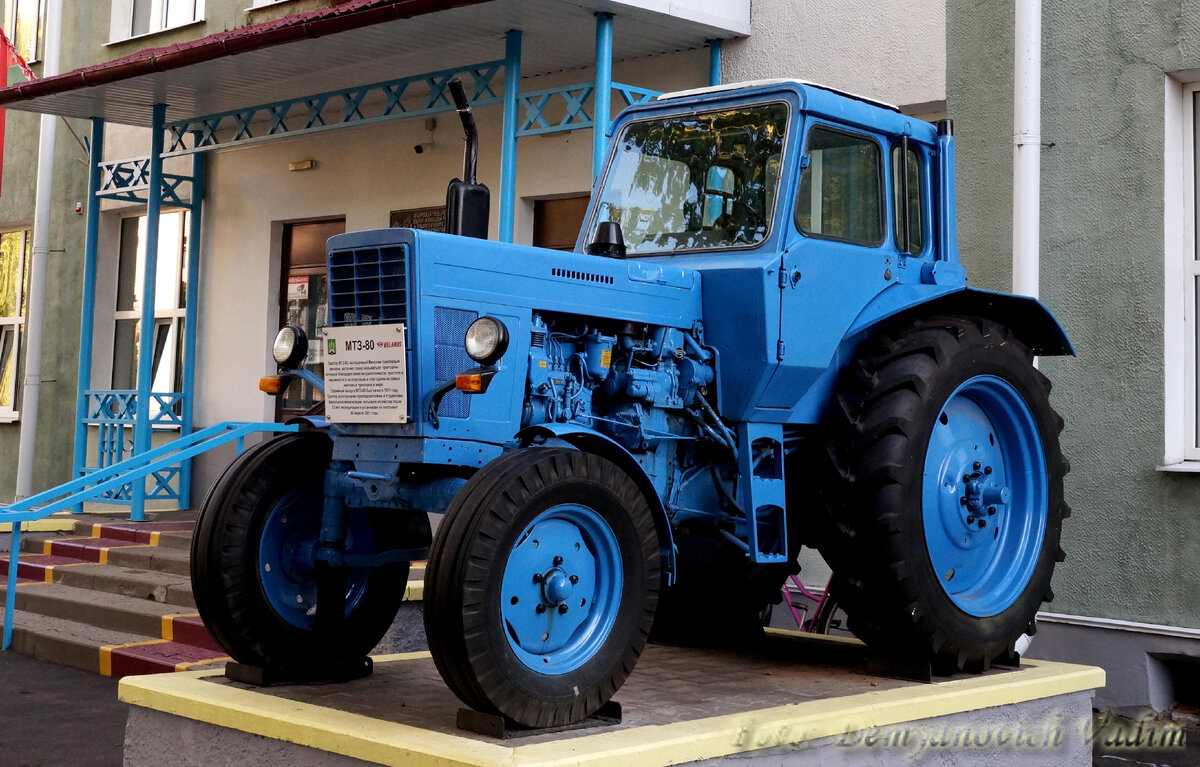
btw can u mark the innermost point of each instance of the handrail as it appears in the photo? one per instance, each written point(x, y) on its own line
point(98, 482)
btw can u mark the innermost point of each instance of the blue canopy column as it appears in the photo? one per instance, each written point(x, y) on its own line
point(117, 413)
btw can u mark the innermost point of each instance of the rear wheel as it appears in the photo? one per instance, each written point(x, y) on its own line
point(253, 571)
point(542, 585)
point(949, 492)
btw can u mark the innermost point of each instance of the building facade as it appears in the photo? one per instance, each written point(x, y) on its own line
point(1119, 267)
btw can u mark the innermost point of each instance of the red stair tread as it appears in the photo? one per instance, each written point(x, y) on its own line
point(33, 566)
point(191, 630)
point(157, 657)
point(141, 532)
point(88, 549)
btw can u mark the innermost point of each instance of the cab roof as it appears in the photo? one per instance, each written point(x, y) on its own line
point(838, 106)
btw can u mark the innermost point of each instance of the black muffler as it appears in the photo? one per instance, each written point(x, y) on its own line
point(468, 204)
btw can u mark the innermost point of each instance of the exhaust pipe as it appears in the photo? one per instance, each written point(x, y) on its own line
point(468, 204)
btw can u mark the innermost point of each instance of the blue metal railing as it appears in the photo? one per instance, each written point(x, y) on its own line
point(112, 478)
point(114, 414)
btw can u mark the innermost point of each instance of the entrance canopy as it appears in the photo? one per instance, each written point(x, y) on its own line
point(365, 41)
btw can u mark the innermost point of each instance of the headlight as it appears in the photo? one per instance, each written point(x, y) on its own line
point(486, 340)
point(291, 347)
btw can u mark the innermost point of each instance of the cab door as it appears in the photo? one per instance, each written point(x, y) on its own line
point(838, 255)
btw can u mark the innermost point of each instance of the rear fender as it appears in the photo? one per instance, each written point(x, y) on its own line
point(569, 435)
point(1030, 321)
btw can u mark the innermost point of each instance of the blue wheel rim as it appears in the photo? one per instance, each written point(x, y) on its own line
point(985, 494)
point(561, 590)
point(286, 563)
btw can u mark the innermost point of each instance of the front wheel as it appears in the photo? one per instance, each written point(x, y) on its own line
point(542, 585)
point(948, 492)
point(253, 569)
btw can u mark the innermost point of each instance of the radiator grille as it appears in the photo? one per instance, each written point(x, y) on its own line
point(368, 286)
point(450, 358)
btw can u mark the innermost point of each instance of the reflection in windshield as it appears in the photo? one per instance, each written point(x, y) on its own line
point(695, 181)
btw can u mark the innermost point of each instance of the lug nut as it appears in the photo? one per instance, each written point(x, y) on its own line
point(574, 579)
point(991, 511)
point(540, 609)
point(537, 577)
point(976, 465)
point(562, 609)
point(970, 519)
point(982, 523)
point(987, 469)
point(558, 560)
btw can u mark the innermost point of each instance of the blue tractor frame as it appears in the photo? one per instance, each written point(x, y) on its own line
point(637, 431)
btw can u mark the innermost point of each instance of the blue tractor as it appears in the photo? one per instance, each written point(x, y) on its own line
point(763, 339)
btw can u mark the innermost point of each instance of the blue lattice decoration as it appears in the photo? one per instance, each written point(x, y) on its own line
point(361, 105)
point(129, 180)
point(114, 413)
point(566, 108)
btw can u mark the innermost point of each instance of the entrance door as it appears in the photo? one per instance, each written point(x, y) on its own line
point(556, 222)
point(304, 302)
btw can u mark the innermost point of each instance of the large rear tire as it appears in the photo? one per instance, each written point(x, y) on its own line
point(253, 574)
point(542, 585)
point(948, 492)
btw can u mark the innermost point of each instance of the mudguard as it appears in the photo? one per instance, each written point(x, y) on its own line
point(1029, 319)
point(583, 438)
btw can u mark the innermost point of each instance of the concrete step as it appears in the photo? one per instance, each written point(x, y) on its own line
point(64, 641)
point(113, 611)
point(153, 558)
point(156, 585)
point(166, 588)
point(180, 541)
point(106, 651)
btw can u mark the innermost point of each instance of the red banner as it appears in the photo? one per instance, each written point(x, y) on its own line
point(9, 57)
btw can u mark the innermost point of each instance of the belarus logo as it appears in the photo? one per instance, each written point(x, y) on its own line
point(330, 346)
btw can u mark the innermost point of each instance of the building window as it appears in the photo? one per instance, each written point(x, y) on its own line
point(1181, 298)
point(170, 295)
point(131, 18)
point(23, 25)
point(14, 284)
point(841, 190)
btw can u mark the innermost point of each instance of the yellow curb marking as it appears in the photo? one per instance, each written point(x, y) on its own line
point(363, 737)
point(414, 591)
point(40, 526)
point(168, 624)
point(190, 664)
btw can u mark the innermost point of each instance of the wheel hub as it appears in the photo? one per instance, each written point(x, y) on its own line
point(556, 587)
point(984, 495)
point(561, 588)
point(982, 498)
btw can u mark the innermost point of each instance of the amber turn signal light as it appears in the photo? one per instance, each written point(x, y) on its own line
point(471, 383)
point(274, 384)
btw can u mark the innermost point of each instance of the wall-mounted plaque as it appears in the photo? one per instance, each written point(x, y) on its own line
point(429, 219)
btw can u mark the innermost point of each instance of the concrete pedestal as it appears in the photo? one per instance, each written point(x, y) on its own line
point(796, 700)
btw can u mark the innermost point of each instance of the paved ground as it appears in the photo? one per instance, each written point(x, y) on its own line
point(54, 715)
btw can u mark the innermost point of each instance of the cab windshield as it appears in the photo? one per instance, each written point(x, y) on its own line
point(695, 181)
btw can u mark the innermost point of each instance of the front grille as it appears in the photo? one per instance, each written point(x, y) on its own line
point(368, 286)
point(450, 357)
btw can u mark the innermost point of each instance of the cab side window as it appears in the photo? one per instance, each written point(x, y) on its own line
point(841, 190)
point(916, 235)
